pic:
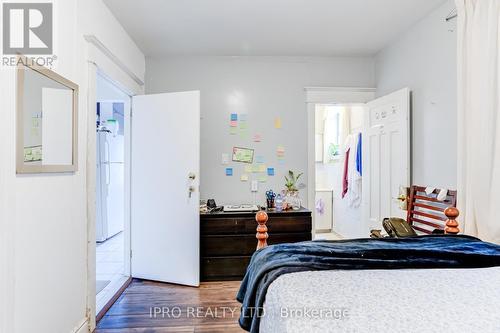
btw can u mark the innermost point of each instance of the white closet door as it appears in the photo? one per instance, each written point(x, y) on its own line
point(386, 156)
point(165, 180)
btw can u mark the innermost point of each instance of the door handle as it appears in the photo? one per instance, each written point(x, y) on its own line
point(192, 176)
point(191, 190)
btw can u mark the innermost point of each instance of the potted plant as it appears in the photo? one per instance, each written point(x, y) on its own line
point(292, 192)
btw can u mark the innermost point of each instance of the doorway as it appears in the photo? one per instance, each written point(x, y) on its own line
point(111, 228)
point(337, 207)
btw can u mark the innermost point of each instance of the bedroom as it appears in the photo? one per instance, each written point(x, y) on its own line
point(244, 81)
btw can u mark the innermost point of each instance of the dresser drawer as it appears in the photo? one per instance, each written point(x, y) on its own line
point(275, 224)
point(279, 224)
point(224, 268)
point(227, 226)
point(213, 246)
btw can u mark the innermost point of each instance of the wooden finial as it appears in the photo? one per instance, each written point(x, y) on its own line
point(261, 218)
point(451, 224)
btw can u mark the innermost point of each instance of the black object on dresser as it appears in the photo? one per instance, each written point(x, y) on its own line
point(228, 239)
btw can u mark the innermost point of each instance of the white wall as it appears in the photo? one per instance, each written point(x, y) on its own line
point(43, 225)
point(264, 88)
point(424, 59)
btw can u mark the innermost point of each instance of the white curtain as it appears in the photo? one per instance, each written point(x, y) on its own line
point(479, 117)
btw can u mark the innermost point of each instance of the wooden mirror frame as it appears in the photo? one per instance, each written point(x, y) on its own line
point(24, 63)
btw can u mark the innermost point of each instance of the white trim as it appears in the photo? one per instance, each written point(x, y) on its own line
point(83, 327)
point(7, 200)
point(101, 47)
point(91, 194)
point(326, 95)
point(93, 72)
point(336, 95)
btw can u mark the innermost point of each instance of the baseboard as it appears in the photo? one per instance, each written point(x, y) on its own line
point(83, 327)
point(112, 300)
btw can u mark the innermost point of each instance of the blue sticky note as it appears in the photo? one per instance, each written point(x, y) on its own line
point(234, 116)
point(229, 171)
point(259, 159)
point(270, 171)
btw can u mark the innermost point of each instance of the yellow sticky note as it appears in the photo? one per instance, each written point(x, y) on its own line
point(244, 178)
point(248, 168)
point(262, 168)
point(277, 122)
point(255, 168)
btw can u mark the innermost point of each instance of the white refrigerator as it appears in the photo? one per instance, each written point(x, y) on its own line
point(110, 184)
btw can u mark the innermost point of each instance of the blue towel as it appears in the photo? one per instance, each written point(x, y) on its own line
point(359, 166)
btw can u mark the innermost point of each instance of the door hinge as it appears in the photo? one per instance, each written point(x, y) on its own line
point(130, 253)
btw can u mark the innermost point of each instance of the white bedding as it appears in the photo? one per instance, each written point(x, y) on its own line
point(424, 300)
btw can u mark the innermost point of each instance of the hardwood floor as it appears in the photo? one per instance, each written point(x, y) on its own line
point(153, 307)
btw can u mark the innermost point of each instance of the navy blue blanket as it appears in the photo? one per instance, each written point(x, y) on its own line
point(433, 251)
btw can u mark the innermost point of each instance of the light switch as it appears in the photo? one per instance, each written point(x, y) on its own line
point(255, 186)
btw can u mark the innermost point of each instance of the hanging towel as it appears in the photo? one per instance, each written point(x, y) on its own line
point(353, 176)
point(345, 182)
point(359, 159)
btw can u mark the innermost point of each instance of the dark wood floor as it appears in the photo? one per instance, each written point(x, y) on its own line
point(201, 309)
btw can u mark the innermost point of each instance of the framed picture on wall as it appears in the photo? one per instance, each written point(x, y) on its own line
point(244, 155)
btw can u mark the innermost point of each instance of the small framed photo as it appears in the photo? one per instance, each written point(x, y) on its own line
point(243, 155)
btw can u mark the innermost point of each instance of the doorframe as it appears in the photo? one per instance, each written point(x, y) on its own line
point(94, 72)
point(101, 60)
point(326, 95)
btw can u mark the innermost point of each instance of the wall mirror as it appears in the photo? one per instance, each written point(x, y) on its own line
point(47, 120)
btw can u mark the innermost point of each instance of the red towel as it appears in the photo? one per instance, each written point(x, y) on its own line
point(345, 183)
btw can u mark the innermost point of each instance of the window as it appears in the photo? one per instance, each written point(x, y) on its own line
point(329, 133)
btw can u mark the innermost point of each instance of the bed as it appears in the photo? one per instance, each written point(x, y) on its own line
point(433, 300)
point(433, 283)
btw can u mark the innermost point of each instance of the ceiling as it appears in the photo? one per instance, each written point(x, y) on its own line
point(267, 27)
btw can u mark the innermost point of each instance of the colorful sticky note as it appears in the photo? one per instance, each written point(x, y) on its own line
point(262, 168)
point(233, 130)
point(255, 168)
point(259, 159)
point(233, 123)
point(270, 171)
point(280, 151)
point(244, 178)
point(234, 116)
point(243, 117)
point(229, 171)
point(257, 138)
point(262, 179)
point(248, 168)
point(277, 122)
point(243, 133)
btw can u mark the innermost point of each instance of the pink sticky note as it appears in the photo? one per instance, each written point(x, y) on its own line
point(234, 123)
point(257, 138)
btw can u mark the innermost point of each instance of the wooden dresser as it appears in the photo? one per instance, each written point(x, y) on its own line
point(228, 240)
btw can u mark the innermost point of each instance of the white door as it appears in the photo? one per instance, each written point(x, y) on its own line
point(164, 187)
point(386, 156)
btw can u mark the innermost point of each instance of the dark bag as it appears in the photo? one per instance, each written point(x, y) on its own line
point(396, 227)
